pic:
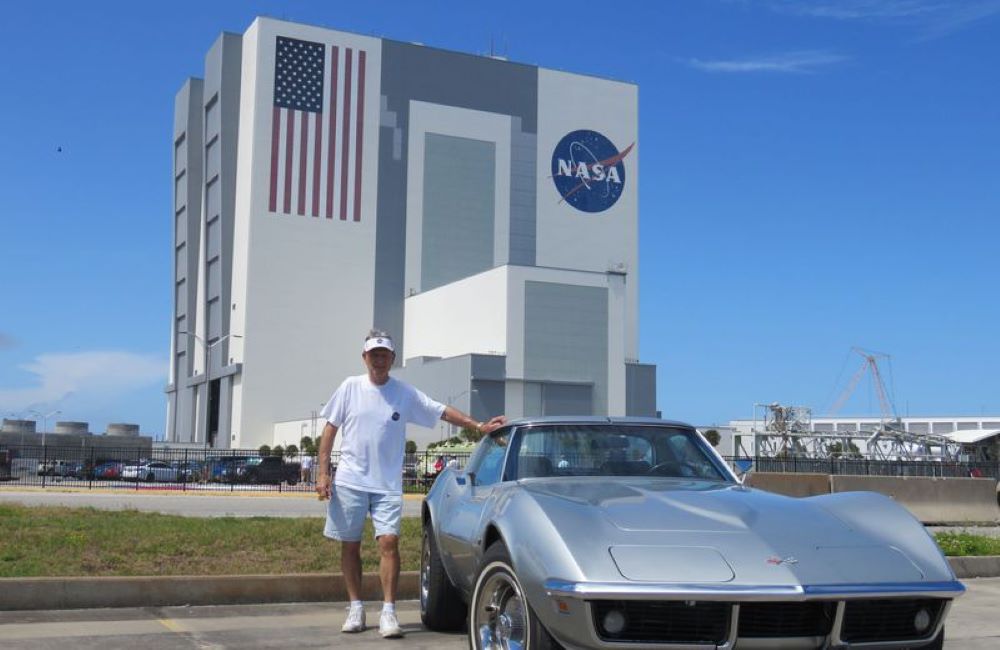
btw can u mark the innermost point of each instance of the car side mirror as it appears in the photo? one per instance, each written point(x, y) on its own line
point(743, 467)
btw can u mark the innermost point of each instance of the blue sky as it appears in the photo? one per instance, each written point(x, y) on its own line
point(816, 175)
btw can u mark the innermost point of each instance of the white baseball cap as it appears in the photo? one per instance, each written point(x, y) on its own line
point(379, 342)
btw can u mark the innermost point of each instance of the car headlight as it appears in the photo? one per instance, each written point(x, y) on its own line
point(922, 621)
point(614, 622)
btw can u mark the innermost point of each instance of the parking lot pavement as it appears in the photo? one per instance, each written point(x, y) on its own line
point(309, 625)
point(973, 625)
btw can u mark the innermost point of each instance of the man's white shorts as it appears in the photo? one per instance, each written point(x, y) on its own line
point(345, 516)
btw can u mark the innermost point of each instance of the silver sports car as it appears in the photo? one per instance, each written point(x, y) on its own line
point(625, 533)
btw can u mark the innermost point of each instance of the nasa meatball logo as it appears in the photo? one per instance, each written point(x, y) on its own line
point(588, 171)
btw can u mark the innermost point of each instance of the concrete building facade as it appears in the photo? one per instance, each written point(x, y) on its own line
point(484, 212)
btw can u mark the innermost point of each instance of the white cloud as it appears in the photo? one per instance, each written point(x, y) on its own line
point(98, 376)
point(935, 18)
point(788, 62)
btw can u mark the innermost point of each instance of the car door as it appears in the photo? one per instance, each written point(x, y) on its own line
point(460, 525)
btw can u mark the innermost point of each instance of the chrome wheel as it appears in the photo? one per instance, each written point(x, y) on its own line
point(500, 616)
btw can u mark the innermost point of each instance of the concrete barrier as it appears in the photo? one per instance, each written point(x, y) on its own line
point(85, 593)
point(931, 500)
point(792, 485)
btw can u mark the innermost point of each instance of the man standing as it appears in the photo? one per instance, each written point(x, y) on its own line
point(370, 411)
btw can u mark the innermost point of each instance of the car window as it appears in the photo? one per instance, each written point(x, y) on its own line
point(487, 463)
point(614, 450)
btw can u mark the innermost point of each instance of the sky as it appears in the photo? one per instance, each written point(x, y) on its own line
point(817, 175)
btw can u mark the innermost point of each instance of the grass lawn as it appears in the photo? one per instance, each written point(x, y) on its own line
point(49, 541)
point(52, 541)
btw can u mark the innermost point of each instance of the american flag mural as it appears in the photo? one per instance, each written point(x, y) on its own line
point(317, 130)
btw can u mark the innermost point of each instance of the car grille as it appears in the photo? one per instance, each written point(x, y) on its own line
point(887, 620)
point(665, 621)
point(776, 620)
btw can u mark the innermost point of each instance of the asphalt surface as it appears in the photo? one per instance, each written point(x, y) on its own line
point(972, 625)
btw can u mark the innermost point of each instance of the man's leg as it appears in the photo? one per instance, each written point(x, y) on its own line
point(387, 512)
point(388, 568)
point(350, 566)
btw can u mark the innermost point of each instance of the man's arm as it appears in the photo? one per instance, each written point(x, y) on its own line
point(324, 486)
point(452, 415)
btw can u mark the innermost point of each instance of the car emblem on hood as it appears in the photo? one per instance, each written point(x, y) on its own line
point(778, 561)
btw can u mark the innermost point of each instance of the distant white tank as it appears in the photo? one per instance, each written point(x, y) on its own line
point(122, 429)
point(79, 428)
point(18, 426)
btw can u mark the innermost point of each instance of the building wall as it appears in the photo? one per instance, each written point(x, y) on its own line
point(406, 188)
point(188, 141)
point(303, 285)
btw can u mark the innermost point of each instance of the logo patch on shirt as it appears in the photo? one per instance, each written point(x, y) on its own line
point(395, 415)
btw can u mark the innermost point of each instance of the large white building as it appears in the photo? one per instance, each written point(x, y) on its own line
point(482, 211)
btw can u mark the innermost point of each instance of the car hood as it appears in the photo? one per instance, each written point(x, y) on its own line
point(676, 530)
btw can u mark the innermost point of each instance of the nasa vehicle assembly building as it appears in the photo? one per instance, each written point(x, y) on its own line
point(484, 212)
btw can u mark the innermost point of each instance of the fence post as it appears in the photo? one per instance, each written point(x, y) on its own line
point(45, 463)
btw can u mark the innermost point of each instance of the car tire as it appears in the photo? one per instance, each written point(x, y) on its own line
point(499, 611)
point(441, 606)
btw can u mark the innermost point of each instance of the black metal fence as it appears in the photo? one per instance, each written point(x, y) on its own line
point(188, 469)
point(246, 470)
point(866, 467)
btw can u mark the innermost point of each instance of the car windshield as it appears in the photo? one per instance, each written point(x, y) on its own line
point(614, 450)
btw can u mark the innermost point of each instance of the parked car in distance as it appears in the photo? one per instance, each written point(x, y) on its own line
point(56, 468)
point(189, 471)
point(269, 469)
point(633, 532)
point(108, 471)
point(153, 470)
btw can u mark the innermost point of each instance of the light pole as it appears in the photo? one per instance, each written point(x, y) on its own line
point(207, 347)
point(45, 419)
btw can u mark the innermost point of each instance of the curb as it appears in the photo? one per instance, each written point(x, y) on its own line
point(175, 591)
point(172, 591)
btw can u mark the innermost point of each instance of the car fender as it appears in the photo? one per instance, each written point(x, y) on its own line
point(880, 517)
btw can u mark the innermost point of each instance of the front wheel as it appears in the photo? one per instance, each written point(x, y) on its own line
point(441, 606)
point(499, 614)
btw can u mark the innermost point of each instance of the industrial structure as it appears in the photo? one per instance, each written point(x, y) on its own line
point(484, 212)
point(783, 431)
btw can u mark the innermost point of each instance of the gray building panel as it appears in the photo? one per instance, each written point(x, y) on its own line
point(566, 336)
point(640, 390)
point(413, 72)
point(459, 216)
point(523, 173)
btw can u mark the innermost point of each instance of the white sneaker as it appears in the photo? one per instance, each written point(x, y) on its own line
point(355, 620)
point(388, 626)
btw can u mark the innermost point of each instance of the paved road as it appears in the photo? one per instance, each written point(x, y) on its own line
point(973, 625)
point(190, 504)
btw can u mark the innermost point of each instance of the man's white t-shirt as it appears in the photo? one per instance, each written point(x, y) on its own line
point(372, 422)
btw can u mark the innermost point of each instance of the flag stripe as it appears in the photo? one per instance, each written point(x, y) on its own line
point(332, 149)
point(289, 158)
point(360, 131)
point(317, 163)
point(275, 146)
point(303, 150)
point(346, 134)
